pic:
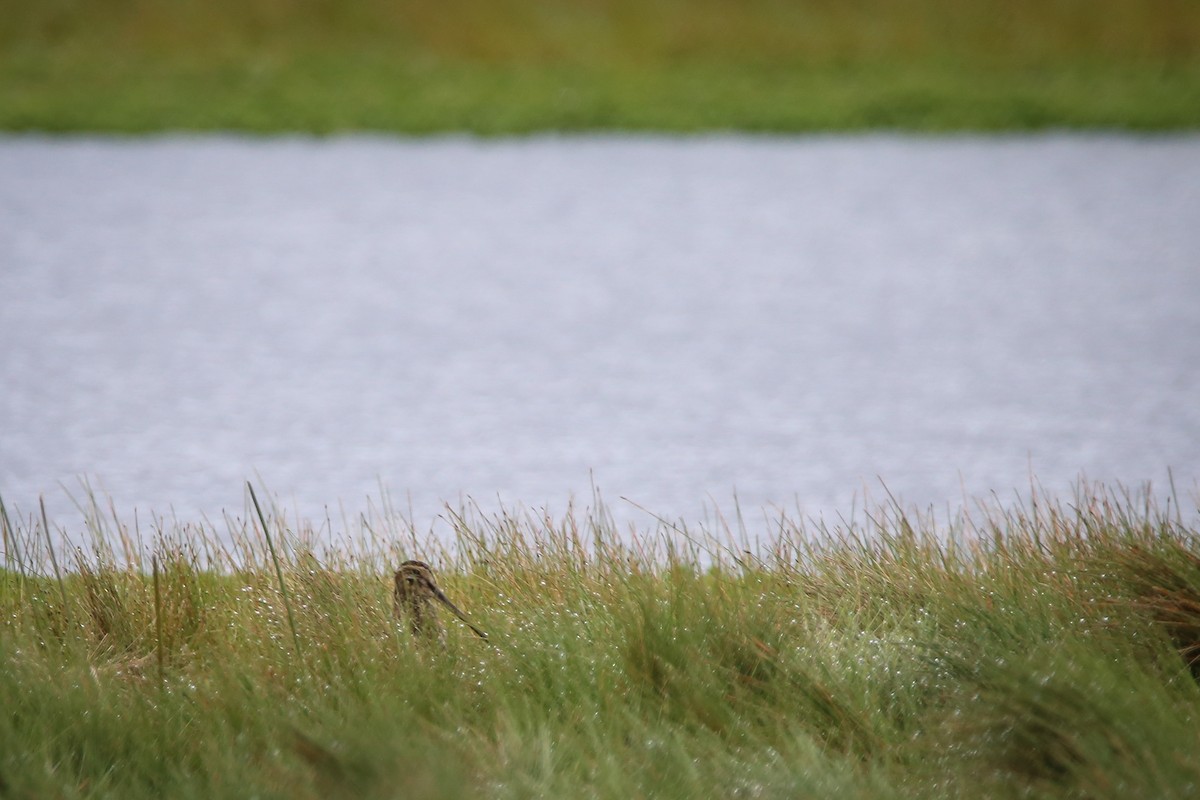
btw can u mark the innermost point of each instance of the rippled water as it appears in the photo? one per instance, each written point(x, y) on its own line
point(790, 319)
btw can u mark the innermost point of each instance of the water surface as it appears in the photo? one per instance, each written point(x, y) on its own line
point(675, 319)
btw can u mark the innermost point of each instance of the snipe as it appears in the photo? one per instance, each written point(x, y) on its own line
point(414, 598)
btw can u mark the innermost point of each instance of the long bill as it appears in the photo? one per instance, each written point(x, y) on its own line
point(446, 602)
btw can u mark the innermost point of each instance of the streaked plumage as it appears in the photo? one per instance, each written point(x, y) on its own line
point(414, 598)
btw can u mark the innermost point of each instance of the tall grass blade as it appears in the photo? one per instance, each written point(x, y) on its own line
point(287, 602)
point(12, 548)
point(62, 587)
point(158, 623)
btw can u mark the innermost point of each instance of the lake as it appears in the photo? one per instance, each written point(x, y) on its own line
point(678, 321)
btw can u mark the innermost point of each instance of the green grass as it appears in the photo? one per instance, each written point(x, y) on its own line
point(1043, 650)
point(516, 66)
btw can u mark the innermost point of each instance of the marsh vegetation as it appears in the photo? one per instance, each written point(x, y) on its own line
point(511, 66)
point(1045, 648)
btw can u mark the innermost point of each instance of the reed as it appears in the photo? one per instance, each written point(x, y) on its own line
point(1046, 648)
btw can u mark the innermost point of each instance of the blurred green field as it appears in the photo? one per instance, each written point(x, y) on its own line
point(513, 66)
point(1043, 650)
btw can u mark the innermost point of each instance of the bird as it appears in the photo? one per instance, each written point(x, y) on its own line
point(413, 600)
